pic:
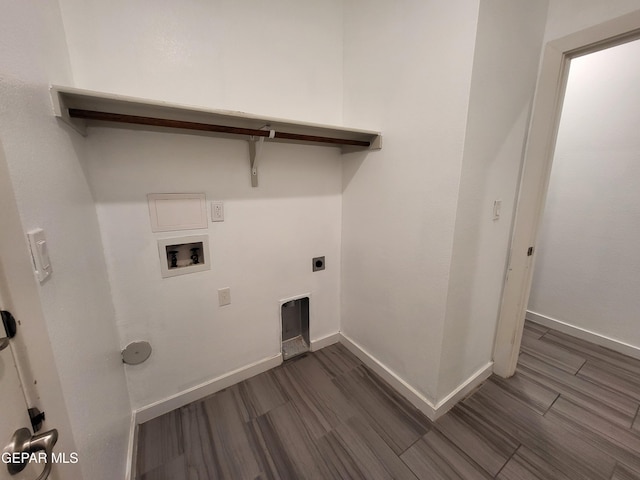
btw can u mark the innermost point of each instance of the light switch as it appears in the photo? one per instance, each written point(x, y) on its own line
point(44, 254)
point(39, 254)
point(497, 207)
point(224, 296)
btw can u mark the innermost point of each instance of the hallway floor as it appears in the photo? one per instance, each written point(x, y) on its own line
point(570, 412)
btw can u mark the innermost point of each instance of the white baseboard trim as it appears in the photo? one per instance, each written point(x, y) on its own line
point(593, 337)
point(148, 412)
point(325, 341)
point(417, 399)
point(464, 389)
point(205, 389)
point(132, 451)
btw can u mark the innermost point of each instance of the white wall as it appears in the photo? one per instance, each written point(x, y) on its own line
point(279, 58)
point(52, 193)
point(282, 59)
point(407, 68)
point(423, 260)
point(408, 212)
point(505, 65)
point(569, 16)
point(262, 250)
point(587, 265)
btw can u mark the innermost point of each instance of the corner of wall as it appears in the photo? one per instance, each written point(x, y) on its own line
point(506, 57)
point(432, 409)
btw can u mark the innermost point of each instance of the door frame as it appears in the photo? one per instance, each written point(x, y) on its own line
point(534, 181)
point(31, 347)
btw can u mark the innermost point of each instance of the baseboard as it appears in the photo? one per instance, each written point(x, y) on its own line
point(325, 341)
point(132, 451)
point(589, 336)
point(205, 389)
point(417, 399)
point(464, 389)
point(414, 397)
point(146, 413)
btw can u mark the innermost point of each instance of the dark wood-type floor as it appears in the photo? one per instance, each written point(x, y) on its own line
point(570, 412)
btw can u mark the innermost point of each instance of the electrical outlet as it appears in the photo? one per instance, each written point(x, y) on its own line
point(217, 211)
point(224, 296)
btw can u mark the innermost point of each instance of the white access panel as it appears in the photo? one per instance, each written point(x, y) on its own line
point(177, 211)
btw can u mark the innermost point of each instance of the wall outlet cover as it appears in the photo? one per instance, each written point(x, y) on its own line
point(224, 296)
point(217, 211)
point(39, 254)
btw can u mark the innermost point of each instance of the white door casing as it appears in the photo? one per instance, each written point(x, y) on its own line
point(30, 350)
point(536, 173)
point(13, 406)
point(13, 403)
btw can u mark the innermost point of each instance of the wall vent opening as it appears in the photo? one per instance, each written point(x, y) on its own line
point(295, 327)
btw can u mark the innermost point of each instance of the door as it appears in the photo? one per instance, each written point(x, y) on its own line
point(13, 356)
point(12, 405)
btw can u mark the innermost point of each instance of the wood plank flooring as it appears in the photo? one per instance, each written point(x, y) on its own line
point(570, 412)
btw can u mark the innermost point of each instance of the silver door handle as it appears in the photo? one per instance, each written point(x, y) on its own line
point(23, 442)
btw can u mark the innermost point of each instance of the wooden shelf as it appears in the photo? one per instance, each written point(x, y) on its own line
point(77, 107)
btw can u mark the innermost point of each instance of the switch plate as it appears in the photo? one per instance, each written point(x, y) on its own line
point(224, 296)
point(39, 254)
point(497, 206)
point(217, 211)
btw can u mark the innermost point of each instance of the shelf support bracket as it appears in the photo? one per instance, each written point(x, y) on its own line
point(255, 152)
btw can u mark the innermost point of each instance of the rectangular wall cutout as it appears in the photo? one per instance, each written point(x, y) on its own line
point(177, 211)
point(182, 255)
point(295, 327)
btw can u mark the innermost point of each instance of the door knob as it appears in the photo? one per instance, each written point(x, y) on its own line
point(23, 444)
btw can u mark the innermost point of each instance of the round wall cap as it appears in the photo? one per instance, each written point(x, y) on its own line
point(136, 352)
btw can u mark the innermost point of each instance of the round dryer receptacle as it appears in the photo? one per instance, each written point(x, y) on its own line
point(318, 263)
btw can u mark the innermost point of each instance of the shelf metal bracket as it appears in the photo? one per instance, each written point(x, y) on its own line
point(255, 152)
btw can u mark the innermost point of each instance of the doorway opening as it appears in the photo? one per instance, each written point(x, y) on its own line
point(587, 262)
point(539, 152)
